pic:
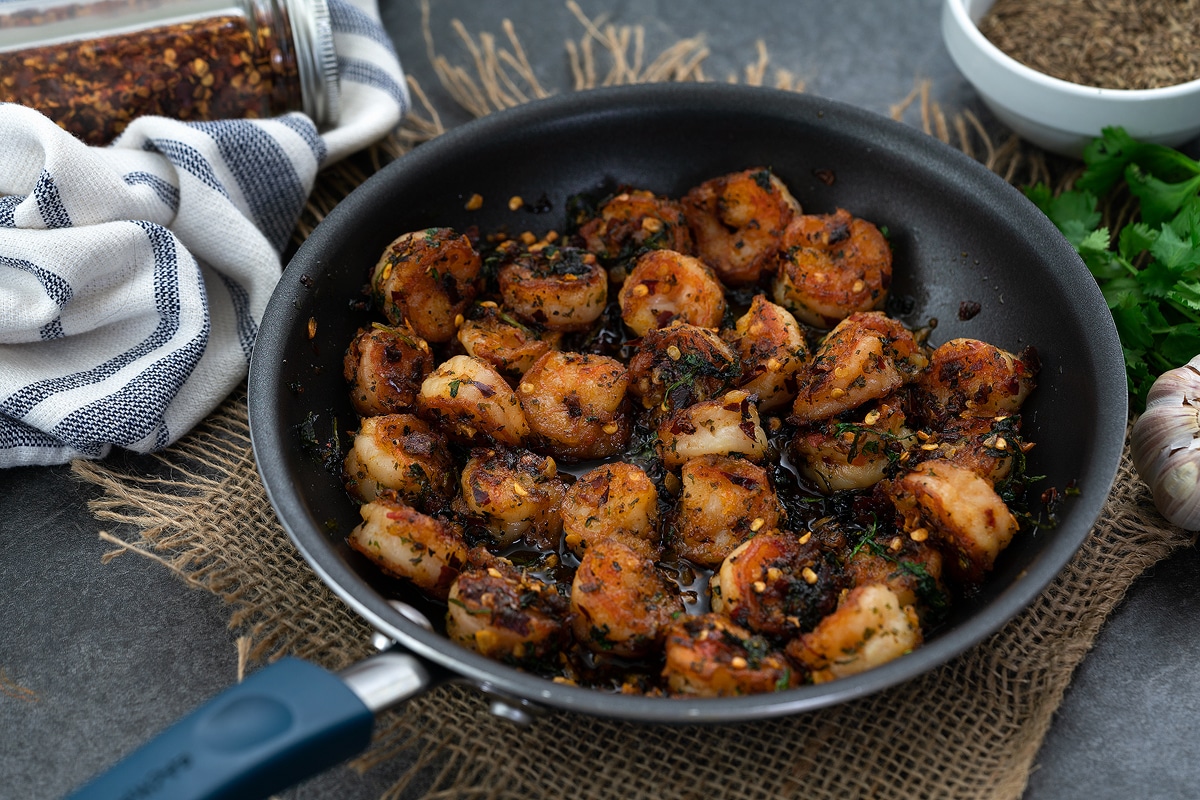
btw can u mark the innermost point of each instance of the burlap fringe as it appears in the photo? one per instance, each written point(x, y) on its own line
point(15, 691)
point(970, 729)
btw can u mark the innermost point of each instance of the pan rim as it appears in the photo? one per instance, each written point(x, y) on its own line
point(267, 436)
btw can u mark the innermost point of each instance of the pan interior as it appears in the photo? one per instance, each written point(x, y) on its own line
point(959, 234)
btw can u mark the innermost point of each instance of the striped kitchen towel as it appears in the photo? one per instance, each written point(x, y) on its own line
point(133, 277)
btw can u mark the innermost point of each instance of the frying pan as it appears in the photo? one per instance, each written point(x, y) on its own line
point(959, 233)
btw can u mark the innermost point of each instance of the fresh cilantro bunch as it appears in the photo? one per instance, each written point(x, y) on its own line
point(1149, 271)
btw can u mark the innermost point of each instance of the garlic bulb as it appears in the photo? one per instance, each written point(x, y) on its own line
point(1165, 444)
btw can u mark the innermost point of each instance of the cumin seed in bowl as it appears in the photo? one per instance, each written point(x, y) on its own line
point(1114, 44)
point(1048, 75)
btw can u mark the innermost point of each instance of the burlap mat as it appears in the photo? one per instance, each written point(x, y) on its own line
point(970, 729)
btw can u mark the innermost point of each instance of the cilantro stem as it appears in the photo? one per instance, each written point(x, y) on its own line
point(1183, 311)
point(1162, 362)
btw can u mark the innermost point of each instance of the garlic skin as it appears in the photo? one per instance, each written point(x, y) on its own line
point(1165, 444)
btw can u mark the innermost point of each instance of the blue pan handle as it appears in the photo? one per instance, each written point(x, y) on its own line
point(284, 723)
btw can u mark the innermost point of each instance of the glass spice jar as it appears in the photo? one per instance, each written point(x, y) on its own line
point(92, 66)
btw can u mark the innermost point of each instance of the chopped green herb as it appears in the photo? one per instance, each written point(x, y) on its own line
point(868, 541)
point(508, 319)
point(928, 590)
point(477, 612)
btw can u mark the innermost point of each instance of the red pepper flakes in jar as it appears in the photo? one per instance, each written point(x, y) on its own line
point(92, 66)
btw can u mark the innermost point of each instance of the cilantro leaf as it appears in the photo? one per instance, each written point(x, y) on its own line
point(1075, 210)
point(1157, 279)
point(1040, 195)
point(1102, 261)
point(1160, 201)
point(1181, 344)
point(1139, 375)
point(1132, 325)
point(1108, 156)
point(1187, 293)
point(1106, 159)
point(1135, 237)
point(1149, 272)
point(1180, 256)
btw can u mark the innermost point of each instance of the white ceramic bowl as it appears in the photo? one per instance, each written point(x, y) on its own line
point(1058, 115)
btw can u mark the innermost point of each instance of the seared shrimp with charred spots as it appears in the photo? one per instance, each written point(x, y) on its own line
point(559, 288)
point(629, 223)
point(427, 279)
point(680, 449)
point(832, 265)
point(738, 222)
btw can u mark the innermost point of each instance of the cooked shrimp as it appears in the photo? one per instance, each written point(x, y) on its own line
point(726, 426)
point(712, 656)
point(868, 629)
point(559, 288)
point(633, 221)
point(775, 585)
point(402, 453)
point(840, 455)
point(723, 501)
point(385, 367)
point(772, 350)
point(469, 400)
point(989, 447)
point(428, 278)
point(866, 357)
point(403, 542)
point(960, 510)
point(830, 266)
point(680, 365)
point(615, 500)
point(912, 570)
point(503, 613)
point(621, 602)
point(968, 377)
point(496, 337)
point(515, 493)
point(738, 221)
point(664, 286)
point(575, 405)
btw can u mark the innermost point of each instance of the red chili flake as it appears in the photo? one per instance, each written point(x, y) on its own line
point(682, 425)
point(825, 176)
point(743, 481)
point(203, 69)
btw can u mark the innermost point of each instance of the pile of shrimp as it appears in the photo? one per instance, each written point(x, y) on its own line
point(678, 449)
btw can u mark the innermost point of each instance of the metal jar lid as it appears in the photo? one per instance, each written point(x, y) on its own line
point(312, 32)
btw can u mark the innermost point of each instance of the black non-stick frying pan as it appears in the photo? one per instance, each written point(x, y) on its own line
point(959, 233)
